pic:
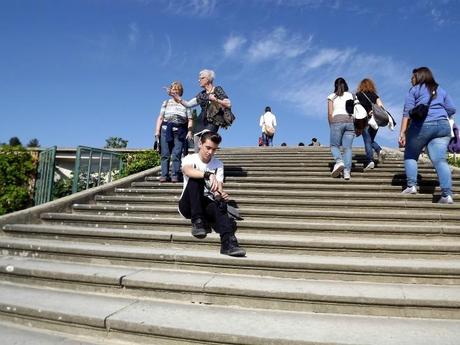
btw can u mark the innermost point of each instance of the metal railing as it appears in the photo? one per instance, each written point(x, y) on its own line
point(45, 176)
point(100, 166)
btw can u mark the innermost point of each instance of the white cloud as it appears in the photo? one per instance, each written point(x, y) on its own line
point(278, 44)
point(328, 56)
point(133, 35)
point(168, 50)
point(200, 8)
point(232, 44)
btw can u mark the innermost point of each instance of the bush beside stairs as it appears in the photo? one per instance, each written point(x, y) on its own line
point(329, 261)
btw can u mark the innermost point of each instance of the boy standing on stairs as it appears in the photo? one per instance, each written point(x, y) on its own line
point(203, 199)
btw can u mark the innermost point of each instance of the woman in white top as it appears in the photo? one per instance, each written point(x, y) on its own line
point(268, 124)
point(174, 126)
point(342, 128)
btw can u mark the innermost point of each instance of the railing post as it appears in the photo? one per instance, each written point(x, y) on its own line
point(45, 176)
point(76, 171)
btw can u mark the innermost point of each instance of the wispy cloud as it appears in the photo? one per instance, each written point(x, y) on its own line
point(168, 51)
point(278, 44)
point(308, 70)
point(200, 8)
point(133, 35)
point(233, 44)
point(327, 56)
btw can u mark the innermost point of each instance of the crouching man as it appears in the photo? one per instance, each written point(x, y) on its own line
point(203, 199)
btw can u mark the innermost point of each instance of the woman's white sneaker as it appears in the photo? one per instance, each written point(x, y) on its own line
point(446, 200)
point(410, 190)
point(371, 165)
point(346, 175)
point(338, 168)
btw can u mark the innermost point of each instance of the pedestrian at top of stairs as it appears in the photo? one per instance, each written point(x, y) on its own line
point(432, 131)
point(341, 128)
point(268, 124)
point(203, 199)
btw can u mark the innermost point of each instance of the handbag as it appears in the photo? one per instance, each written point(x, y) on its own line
point(218, 115)
point(420, 112)
point(379, 113)
point(268, 130)
point(359, 115)
point(454, 144)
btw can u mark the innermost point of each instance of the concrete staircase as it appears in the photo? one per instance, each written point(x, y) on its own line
point(329, 261)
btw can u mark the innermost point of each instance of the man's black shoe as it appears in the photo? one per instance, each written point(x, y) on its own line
point(231, 247)
point(199, 229)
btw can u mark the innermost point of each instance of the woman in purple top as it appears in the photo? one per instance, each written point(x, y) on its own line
point(432, 132)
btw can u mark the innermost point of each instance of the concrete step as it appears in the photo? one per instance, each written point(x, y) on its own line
point(336, 244)
point(325, 165)
point(261, 225)
point(326, 174)
point(361, 181)
point(175, 190)
point(359, 195)
point(287, 212)
point(175, 322)
point(336, 186)
point(320, 296)
point(377, 269)
point(285, 202)
point(14, 334)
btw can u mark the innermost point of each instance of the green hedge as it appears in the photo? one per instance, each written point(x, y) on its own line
point(17, 169)
point(454, 162)
point(140, 161)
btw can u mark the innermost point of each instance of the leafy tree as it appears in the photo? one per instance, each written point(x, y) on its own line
point(33, 143)
point(115, 143)
point(16, 171)
point(14, 141)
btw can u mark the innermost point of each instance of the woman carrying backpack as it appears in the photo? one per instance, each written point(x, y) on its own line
point(420, 128)
point(367, 95)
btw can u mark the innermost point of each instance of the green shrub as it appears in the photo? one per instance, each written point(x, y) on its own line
point(16, 173)
point(454, 161)
point(137, 162)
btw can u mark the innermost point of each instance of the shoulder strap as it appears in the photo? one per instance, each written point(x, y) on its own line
point(367, 98)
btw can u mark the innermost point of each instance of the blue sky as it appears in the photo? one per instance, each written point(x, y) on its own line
point(75, 72)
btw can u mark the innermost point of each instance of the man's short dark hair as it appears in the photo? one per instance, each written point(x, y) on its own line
point(214, 137)
point(268, 109)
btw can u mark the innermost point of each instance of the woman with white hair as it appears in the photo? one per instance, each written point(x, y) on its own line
point(210, 96)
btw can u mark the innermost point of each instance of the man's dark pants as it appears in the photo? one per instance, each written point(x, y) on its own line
point(194, 205)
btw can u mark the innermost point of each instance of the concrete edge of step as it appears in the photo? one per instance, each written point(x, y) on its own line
point(203, 323)
point(32, 214)
point(266, 287)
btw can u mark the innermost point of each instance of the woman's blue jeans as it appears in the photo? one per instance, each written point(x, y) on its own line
point(268, 140)
point(342, 134)
point(435, 135)
point(171, 151)
point(369, 134)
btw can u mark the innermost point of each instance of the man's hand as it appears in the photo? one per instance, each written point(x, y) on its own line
point(224, 196)
point(214, 184)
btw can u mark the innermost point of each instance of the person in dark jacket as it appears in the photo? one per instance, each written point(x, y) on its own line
point(367, 95)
